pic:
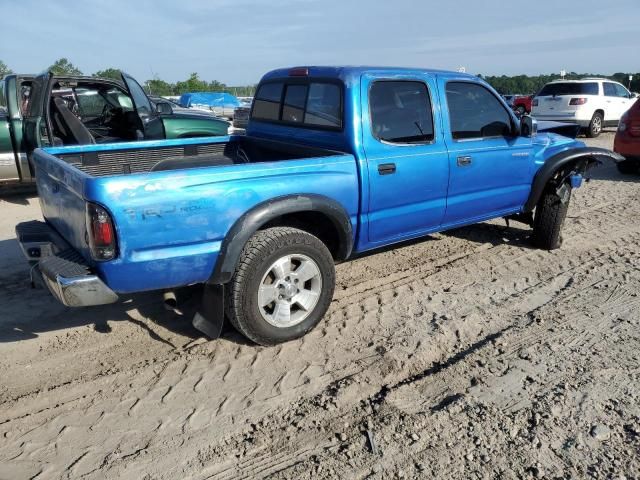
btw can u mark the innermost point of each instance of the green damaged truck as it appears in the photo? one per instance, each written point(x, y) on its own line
point(51, 110)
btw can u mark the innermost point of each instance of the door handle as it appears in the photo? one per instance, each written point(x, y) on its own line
point(464, 161)
point(386, 168)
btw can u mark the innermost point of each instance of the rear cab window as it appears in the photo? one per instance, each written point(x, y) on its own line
point(569, 88)
point(311, 103)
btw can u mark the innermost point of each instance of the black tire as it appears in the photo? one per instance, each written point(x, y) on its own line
point(550, 214)
point(263, 249)
point(628, 167)
point(596, 125)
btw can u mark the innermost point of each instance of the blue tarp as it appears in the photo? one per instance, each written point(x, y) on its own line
point(209, 99)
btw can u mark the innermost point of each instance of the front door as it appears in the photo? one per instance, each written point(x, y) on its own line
point(151, 126)
point(33, 125)
point(406, 156)
point(490, 165)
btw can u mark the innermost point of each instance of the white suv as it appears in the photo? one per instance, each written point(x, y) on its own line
point(592, 103)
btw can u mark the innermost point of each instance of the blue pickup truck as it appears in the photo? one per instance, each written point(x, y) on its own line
point(335, 161)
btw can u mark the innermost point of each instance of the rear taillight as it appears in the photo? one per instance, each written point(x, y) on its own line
point(534, 102)
point(578, 101)
point(102, 237)
point(622, 126)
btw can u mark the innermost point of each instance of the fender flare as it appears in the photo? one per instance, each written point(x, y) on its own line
point(578, 160)
point(252, 220)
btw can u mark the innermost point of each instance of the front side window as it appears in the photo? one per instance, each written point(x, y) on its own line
point(401, 112)
point(474, 112)
point(621, 91)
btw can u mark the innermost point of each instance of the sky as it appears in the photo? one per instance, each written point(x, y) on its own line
point(236, 41)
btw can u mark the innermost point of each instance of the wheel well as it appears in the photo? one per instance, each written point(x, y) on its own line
point(600, 111)
point(315, 223)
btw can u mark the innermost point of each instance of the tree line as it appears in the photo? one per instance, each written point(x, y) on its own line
point(522, 84)
point(154, 86)
point(526, 85)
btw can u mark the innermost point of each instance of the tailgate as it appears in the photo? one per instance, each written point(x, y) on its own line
point(554, 106)
point(61, 191)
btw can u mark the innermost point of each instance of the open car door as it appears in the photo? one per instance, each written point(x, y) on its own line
point(150, 122)
point(35, 132)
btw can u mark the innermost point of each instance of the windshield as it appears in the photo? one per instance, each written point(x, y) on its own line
point(569, 88)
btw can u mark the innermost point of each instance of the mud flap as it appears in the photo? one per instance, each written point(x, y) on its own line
point(209, 318)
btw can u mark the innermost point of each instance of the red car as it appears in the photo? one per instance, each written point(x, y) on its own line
point(522, 105)
point(627, 141)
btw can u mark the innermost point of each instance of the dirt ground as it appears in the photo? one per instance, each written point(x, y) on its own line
point(466, 355)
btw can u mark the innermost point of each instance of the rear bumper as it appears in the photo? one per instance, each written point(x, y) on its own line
point(63, 270)
point(563, 119)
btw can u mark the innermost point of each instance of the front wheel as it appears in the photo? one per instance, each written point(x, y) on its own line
point(549, 218)
point(282, 287)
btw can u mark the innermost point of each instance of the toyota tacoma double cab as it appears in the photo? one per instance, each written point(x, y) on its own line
point(53, 110)
point(336, 161)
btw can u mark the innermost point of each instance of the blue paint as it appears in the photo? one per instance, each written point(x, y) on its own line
point(171, 224)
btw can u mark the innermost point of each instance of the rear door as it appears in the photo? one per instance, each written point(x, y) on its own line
point(406, 156)
point(489, 164)
point(150, 123)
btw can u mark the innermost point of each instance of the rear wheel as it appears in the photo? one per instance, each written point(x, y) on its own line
point(282, 287)
point(595, 126)
point(549, 219)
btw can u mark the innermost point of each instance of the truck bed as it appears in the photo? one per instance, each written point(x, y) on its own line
point(123, 159)
point(173, 201)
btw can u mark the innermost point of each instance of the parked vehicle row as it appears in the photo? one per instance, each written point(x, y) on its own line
point(51, 110)
point(335, 161)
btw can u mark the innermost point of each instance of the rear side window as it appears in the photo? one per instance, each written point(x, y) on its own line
point(401, 112)
point(569, 88)
point(266, 105)
point(609, 89)
point(474, 112)
point(314, 104)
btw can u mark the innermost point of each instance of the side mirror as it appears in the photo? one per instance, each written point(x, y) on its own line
point(164, 108)
point(528, 126)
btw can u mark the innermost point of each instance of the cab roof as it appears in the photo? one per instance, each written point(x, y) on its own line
point(346, 72)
